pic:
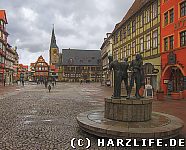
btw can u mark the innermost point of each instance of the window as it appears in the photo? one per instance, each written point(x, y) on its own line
point(155, 39)
point(155, 10)
point(120, 35)
point(166, 18)
point(183, 38)
point(141, 45)
point(141, 21)
point(125, 51)
point(183, 9)
point(171, 42)
point(148, 42)
point(129, 49)
point(165, 44)
point(1, 45)
point(134, 26)
point(171, 12)
point(134, 47)
point(148, 15)
point(124, 33)
point(4, 48)
point(128, 29)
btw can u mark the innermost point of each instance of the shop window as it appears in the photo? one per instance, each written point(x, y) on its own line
point(171, 12)
point(183, 38)
point(165, 44)
point(176, 80)
point(171, 42)
point(183, 9)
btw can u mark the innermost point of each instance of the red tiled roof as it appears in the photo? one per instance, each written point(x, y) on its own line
point(52, 67)
point(32, 64)
point(56, 70)
point(25, 66)
point(3, 16)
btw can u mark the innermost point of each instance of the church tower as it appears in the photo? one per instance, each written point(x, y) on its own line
point(54, 50)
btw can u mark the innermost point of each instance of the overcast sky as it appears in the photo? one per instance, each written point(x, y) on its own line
point(79, 24)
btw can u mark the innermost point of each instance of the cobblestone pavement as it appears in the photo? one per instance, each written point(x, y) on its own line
point(7, 89)
point(31, 118)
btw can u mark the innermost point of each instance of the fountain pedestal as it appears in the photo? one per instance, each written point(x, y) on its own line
point(131, 118)
point(128, 109)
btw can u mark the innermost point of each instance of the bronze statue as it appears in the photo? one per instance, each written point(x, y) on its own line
point(137, 75)
point(115, 65)
point(124, 74)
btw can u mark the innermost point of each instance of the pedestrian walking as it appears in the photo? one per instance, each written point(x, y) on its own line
point(49, 88)
point(53, 84)
point(46, 83)
point(4, 82)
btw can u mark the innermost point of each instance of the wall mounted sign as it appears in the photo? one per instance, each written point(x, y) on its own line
point(155, 71)
point(165, 81)
point(171, 58)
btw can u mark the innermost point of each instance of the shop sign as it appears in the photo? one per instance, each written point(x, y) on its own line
point(155, 71)
point(165, 81)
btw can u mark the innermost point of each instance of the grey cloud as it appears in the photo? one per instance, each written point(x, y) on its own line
point(78, 23)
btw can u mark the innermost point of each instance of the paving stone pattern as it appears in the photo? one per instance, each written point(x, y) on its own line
point(31, 118)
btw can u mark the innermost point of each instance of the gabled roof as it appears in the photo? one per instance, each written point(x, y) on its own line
point(76, 57)
point(136, 6)
point(3, 16)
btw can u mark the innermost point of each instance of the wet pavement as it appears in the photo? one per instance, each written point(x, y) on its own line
point(31, 118)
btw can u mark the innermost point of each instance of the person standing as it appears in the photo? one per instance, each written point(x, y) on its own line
point(46, 83)
point(49, 88)
point(4, 82)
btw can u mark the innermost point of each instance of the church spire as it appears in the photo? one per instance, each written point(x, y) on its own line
point(53, 40)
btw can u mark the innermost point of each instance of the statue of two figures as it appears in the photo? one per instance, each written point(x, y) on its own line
point(121, 74)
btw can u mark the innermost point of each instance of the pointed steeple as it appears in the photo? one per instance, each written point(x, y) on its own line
point(53, 40)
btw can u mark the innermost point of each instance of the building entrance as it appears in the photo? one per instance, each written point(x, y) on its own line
point(176, 81)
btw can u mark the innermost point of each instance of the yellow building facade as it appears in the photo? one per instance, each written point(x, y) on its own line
point(106, 51)
point(139, 33)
